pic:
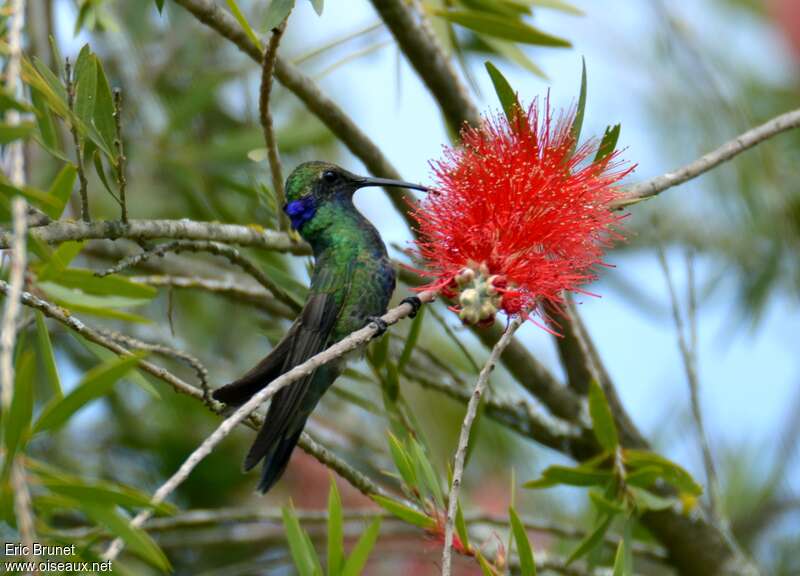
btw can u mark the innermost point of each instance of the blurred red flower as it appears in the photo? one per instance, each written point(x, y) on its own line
point(518, 215)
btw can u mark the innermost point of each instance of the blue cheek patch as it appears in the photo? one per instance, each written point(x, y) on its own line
point(301, 211)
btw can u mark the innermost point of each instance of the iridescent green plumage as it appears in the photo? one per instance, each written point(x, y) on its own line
point(352, 283)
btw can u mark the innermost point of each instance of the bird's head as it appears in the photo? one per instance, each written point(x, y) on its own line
point(312, 185)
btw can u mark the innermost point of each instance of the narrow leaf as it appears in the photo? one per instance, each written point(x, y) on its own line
point(402, 461)
point(592, 539)
point(570, 476)
point(96, 382)
point(425, 471)
point(486, 568)
point(44, 119)
point(11, 132)
point(276, 12)
point(358, 557)
point(669, 471)
point(17, 422)
point(577, 124)
point(461, 527)
point(405, 513)
point(608, 143)
point(240, 17)
point(318, 5)
point(85, 85)
point(506, 95)
point(104, 111)
point(60, 191)
point(47, 358)
point(137, 539)
point(335, 531)
point(502, 27)
point(526, 562)
point(605, 430)
point(298, 544)
point(411, 339)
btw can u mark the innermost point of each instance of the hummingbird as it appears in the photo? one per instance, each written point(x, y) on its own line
point(351, 285)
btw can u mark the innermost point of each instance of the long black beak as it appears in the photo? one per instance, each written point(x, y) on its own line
point(389, 183)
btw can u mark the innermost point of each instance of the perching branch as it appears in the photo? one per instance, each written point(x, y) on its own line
point(265, 114)
point(430, 62)
point(63, 231)
point(353, 341)
point(463, 440)
point(745, 141)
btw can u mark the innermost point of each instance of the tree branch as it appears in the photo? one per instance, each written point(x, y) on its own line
point(64, 230)
point(265, 115)
point(745, 141)
point(351, 342)
point(428, 59)
point(463, 441)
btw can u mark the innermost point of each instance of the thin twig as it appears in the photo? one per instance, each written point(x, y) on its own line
point(265, 115)
point(228, 252)
point(15, 157)
point(744, 141)
point(255, 295)
point(8, 335)
point(463, 441)
point(694, 386)
point(76, 140)
point(351, 342)
point(164, 350)
point(120, 171)
point(185, 229)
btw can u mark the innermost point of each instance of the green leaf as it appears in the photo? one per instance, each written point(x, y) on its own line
point(9, 102)
point(302, 552)
point(608, 143)
point(526, 562)
point(318, 6)
point(506, 95)
point(670, 472)
point(646, 500)
point(58, 260)
point(619, 560)
point(577, 124)
point(411, 339)
point(101, 173)
point(104, 306)
point(85, 85)
point(461, 527)
point(17, 422)
point(379, 352)
point(276, 12)
point(11, 132)
point(160, 5)
point(512, 52)
point(425, 471)
point(643, 477)
point(104, 354)
point(35, 196)
point(136, 539)
point(50, 79)
point(95, 383)
point(105, 493)
point(104, 112)
point(405, 513)
point(237, 13)
point(603, 504)
point(402, 461)
point(335, 531)
point(502, 27)
point(46, 356)
point(486, 568)
point(577, 476)
point(60, 191)
point(559, 5)
point(392, 382)
point(592, 539)
point(44, 119)
point(358, 557)
point(111, 285)
point(602, 419)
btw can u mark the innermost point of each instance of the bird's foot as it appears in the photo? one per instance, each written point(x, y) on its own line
point(415, 303)
point(380, 325)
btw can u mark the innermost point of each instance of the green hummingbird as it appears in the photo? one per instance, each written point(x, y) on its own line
point(351, 285)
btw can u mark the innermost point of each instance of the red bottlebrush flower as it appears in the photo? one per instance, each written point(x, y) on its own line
point(517, 216)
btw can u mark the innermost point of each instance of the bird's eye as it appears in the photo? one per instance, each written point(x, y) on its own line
point(329, 176)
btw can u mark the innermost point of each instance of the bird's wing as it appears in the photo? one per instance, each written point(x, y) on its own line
point(310, 335)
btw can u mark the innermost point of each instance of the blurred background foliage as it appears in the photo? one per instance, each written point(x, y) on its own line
point(195, 150)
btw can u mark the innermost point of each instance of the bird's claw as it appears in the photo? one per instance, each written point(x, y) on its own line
point(415, 303)
point(379, 324)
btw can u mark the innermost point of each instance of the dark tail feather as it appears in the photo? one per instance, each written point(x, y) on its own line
point(239, 392)
point(276, 460)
